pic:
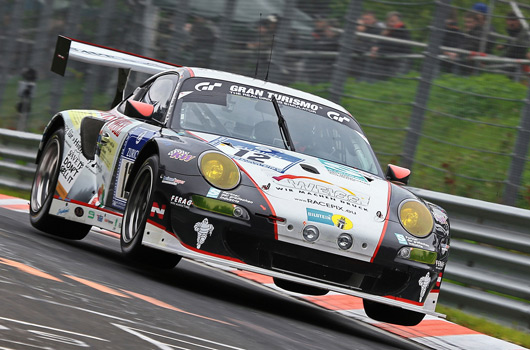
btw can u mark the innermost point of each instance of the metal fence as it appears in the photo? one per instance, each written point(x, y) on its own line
point(433, 91)
point(487, 273)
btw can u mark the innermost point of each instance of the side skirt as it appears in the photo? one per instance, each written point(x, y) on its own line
point(87, 214)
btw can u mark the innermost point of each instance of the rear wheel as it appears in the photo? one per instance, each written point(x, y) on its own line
point(43, 189)
point(391, 314)
point(134, 221)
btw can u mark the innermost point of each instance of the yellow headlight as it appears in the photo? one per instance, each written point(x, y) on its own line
point(219, 170)
point(416, 218)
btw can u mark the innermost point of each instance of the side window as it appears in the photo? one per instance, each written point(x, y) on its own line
point(159, 95)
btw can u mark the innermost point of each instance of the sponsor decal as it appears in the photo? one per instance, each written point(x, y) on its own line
point(63, 211)
point(401, 239)
point(411, 241)
point(328, 218)
point(132, 145)
point(445, 248)
point(323, 189)
point(78, 211)
point(424, 283)
point(99, 217)
point(255, 154)
point(171, 180)
point(91, 214)
point(234, 198)
point(226, 196)
point(286, 100)
point(323, 217)
point(439, 216)
point(159, 211)
point(213, 192)
point(180, 155)
point(327, 205)
point(440, 264)
point(337, 117)
point(71, 137)
point(207, 86)
point(140, 137)
point(117, 125)
point(203, 229)
point(342, 222)
point(343, 171)
point(108, 151)
point(70, 168)
point(181, 202)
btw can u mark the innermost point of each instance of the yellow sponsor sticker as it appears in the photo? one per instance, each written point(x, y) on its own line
point(342, 222)
point(77, 116)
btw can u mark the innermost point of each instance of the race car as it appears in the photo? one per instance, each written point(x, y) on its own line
point(243, 173)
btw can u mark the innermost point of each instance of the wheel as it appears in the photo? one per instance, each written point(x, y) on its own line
point(43, 189)
point(135, 217)
point(391, 314)
point(299, 288)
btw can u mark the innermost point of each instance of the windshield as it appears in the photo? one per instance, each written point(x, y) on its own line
point(247, 113)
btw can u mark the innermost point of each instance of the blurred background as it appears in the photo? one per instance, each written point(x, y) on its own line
point(440, 87)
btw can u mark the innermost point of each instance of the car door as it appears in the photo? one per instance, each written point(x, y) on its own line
point(122, 138)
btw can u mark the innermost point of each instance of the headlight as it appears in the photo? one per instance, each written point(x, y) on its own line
point(219, 170)
point(415, 218)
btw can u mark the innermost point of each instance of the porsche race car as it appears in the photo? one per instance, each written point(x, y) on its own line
point(244, 173)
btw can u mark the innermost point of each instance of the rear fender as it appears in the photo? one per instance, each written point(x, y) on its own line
point(55, 123)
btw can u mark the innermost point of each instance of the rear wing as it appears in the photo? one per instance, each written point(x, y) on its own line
point(77, 50)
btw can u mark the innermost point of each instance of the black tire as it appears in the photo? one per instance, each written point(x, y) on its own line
point(391, 314)
point(43, 189)
point(135, 217)
point(299, 288)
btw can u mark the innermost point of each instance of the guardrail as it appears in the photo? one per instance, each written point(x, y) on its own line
point(489, 266)
point(17, 158)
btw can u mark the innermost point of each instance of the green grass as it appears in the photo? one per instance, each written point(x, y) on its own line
point(466, 139)
point(15, 193)
point(485, 326)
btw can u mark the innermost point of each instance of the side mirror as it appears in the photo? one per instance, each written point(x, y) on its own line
point(137, 109)
point(397, 174)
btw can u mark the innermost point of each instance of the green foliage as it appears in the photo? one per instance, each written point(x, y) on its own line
point(468, 154)
point(484, 326)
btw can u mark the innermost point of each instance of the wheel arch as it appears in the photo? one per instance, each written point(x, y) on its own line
point(55, 123)
point(147, 151)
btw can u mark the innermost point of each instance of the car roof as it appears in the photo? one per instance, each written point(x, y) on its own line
point(237, 78)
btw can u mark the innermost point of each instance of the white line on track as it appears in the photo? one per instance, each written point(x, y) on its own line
point(51, 328)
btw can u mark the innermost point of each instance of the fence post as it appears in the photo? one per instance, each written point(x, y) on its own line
point(340, 71)
point(8, 45)
point(177, 40)
point(428, 71)
point(72, 22)
point(520, 152)
point(94, 71)
point(278, 72)
point(39, 60)
point(222, 44)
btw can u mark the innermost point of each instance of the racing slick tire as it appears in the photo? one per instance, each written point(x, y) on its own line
point(299, 288)
point(391, 314)
point(137, 209)
point(43, 190)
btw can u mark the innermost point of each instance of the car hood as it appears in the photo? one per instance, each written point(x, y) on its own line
point(303, 190)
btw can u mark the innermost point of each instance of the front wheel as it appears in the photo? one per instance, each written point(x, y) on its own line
point(391, 314)
point(43, 189)
point(134, 221)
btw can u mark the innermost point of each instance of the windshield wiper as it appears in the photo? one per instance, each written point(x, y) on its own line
point(286, 137)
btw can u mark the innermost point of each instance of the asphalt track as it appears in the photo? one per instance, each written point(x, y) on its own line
point(59, 294)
